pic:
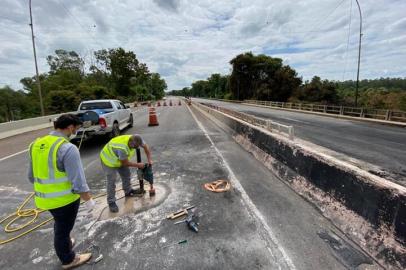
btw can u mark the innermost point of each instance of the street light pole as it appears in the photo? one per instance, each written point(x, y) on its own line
point(36, 65)
point(359, 53)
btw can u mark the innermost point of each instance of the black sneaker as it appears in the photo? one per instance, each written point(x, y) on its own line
point(135, 193)
point(113, 207)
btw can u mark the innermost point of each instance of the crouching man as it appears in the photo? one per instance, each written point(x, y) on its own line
point(115, 158)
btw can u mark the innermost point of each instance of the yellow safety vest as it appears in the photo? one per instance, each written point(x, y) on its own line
point(107, 155)
point(52, 186)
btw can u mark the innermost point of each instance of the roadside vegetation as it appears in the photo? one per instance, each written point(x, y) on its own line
point(114, 73)
point(263, 77)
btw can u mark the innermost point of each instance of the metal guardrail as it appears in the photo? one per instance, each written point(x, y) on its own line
point(387, 115)
point(264, 123)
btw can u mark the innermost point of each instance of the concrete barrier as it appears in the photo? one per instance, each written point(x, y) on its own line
point(368, 198)
point(13, 128)
point(21, 126)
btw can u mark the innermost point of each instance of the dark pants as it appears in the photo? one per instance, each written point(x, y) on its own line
point(64, 217)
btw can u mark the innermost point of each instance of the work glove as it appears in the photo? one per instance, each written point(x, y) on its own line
point(89, 205)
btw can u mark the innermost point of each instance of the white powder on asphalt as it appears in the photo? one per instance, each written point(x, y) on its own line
point(34, 253)
point(37, 260)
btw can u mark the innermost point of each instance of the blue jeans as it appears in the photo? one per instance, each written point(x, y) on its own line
point(64, 217)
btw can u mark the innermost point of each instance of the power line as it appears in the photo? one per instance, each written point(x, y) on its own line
point(89, 51)
point(315, 27)
point(77, 21)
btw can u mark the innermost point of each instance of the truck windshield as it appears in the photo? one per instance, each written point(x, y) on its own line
point(96, 105)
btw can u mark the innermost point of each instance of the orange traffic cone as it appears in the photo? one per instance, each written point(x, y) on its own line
point(153, 119)
point(165, 103)
point(159, 104)
point(170, 102)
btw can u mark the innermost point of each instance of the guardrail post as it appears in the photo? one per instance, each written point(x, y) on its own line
point(291, 133)
point(268, 125)
point(388, 115)
point(341, 110)
point(311, 107)
point(300, 106)
point(279, 128)
point(325, 109)
point(362, 114)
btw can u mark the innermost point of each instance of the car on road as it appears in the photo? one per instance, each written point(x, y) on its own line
point(103, 117)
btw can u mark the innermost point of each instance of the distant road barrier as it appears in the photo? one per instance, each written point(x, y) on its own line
point(9, 129)
point(13, 128)
point(385, 115)
point(268, 124)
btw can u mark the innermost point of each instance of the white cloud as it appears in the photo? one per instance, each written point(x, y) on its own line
point(188, 40)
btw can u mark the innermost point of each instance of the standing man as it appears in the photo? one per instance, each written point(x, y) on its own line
point(115, 157)
point(59, 181)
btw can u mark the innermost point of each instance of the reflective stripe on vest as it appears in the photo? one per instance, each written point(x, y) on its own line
point(52, 187)
point(51, 181)
point(52, 194)
point(108, 156)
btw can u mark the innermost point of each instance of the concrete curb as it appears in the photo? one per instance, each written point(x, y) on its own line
point(370, 120)
point(379, 202)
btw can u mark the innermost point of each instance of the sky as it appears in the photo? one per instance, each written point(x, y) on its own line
point(186, 41)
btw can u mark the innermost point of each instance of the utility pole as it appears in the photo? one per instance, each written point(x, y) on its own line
point(36, 65)
point(359, 53)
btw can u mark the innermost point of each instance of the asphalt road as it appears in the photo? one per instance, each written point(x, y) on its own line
point(381, 145)
point(259, 224)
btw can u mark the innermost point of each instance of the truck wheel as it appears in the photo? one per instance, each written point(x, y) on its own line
point(116, 131)
point(131, 121)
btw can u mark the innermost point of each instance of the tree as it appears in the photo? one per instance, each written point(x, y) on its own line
point(62, 101)
point(65, 60)
point(121, 66)
point(262, 77)
point(318, 91)
point(157, 86)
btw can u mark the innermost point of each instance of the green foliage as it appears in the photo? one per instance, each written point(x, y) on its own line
point(128, 77)
point(116, 74)
point(62, 101)
point(262, 77)
point(317, 91)
point(64, 60)
point(216, 86)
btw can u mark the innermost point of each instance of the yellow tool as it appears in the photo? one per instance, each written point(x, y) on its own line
point(179, 213)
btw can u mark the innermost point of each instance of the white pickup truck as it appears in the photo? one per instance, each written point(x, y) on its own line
point(103, 117)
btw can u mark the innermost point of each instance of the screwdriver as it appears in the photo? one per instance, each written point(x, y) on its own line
point(180, 242)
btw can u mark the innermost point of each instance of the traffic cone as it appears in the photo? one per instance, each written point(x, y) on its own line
point(170, 102)
point(159, 104)
point(153, 120)
point(180, 103)
point(165, 103)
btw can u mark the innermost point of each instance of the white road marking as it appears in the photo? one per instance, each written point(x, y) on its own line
point(15, 154)
point(249, 203)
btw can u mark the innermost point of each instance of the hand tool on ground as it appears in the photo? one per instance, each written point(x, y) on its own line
point(173, 244)
point(179, 213)
point(191, 222)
